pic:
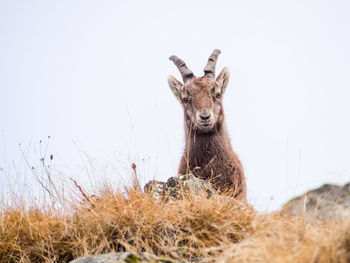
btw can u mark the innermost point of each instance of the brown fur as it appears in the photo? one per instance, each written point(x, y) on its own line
point(208, 153)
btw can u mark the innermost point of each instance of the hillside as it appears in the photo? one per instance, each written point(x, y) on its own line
point(215, 229)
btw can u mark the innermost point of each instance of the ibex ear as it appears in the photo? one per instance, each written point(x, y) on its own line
point(223, 79)
point(175, 87)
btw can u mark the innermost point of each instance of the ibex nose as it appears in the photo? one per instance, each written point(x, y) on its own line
point(204, 114)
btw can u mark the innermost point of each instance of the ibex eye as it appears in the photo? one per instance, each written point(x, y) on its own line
point(185, 100)
point(218, 95)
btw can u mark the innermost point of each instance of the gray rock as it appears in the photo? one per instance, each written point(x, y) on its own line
point(326, 202)
point(176, 186)
point(123, 257)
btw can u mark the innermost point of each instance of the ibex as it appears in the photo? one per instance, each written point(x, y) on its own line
point(208, 153)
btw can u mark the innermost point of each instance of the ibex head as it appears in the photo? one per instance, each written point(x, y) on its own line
point(201, 97)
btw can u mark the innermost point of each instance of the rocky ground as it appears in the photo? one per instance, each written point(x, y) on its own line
point(127, 257)
point(326, 202)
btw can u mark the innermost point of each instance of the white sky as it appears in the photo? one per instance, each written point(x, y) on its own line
point(94, 72)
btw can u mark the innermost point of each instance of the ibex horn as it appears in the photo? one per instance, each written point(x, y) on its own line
point(209, 70)
point(186, 73)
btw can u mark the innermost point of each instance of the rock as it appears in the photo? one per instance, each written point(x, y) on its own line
point(123, 257)
point(176, 186)
point(327, 202)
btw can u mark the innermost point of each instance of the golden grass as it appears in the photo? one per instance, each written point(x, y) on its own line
point(217, 229)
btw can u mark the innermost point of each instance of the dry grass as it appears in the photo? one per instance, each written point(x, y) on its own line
point(216, 228)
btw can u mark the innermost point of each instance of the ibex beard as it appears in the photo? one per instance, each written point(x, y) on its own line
point(208, 153)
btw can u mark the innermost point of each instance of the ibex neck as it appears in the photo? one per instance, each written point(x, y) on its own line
point(217, 138)
point(204, 149)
